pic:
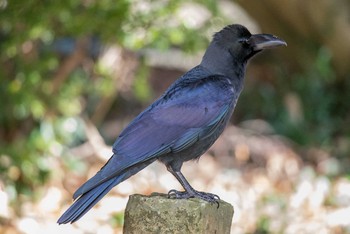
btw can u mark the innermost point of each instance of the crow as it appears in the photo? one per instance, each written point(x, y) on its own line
point(183, 123)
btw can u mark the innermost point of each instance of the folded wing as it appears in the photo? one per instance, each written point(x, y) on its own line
point(173, 123)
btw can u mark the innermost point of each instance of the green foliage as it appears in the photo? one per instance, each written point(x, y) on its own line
point(263, 225)
point(141, 85)
point(118, 220)
point(318, 96)
point(322, 99)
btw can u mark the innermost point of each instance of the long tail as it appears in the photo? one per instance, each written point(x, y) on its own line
point(87, 200)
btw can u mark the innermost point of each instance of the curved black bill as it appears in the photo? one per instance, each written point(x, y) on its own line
point(265, 41)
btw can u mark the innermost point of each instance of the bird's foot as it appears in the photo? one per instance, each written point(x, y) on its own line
point(209, 197)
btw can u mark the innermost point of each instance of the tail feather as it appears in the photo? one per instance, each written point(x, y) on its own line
point(88, 199)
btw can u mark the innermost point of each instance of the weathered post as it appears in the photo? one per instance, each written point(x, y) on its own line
point(159, 214)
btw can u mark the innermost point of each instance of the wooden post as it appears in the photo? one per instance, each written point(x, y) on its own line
point(159, 214)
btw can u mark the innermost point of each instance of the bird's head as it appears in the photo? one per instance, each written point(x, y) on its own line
point(241, 44)
point(231, 48)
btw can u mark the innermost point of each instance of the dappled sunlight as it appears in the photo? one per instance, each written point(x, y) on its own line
point(277, 192)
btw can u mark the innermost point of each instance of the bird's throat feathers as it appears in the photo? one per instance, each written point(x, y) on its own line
point(219, 60)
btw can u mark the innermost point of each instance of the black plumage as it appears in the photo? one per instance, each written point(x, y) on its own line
point(183, 123)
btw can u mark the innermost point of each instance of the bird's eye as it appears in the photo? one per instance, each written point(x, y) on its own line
point(244, 42)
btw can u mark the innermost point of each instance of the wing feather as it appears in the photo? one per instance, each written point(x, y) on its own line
point(172, 124)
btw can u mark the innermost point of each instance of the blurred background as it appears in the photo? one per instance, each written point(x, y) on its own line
point(73, 73)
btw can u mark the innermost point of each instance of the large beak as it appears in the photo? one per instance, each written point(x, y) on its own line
point(265, 41)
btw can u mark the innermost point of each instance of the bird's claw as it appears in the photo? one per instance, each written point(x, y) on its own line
point(178, 194)
point(208, 197)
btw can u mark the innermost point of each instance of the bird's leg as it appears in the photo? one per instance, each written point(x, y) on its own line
point(189, 191)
